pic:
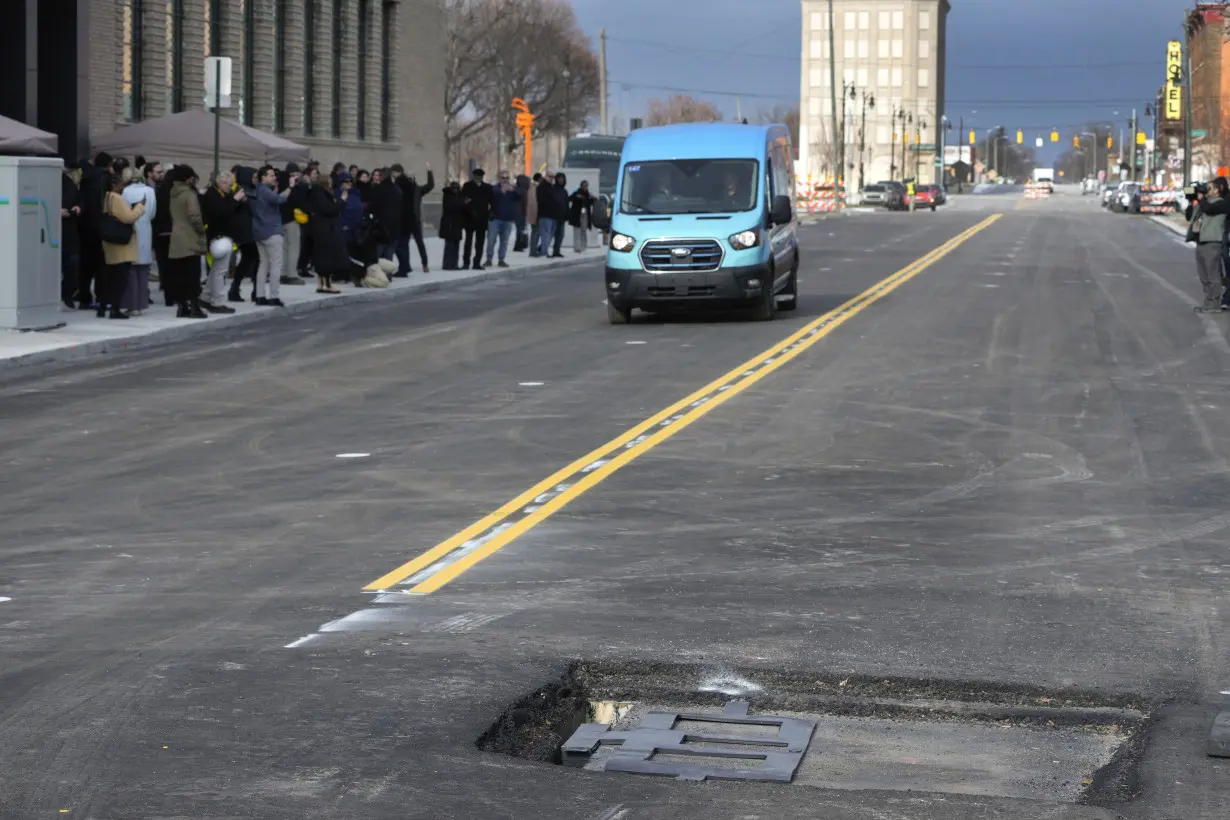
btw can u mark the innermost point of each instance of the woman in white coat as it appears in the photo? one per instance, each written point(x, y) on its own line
point(136, 295)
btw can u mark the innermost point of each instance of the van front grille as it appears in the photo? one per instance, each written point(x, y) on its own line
point(681, 255)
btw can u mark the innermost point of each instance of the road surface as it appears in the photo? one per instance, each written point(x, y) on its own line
point(1005, 468)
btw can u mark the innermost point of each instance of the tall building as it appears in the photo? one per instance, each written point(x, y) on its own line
point(356, 80)
point(889, 50)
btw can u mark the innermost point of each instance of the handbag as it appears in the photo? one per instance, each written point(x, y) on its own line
point(110, 229)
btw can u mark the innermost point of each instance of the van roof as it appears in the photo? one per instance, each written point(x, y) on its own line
point(709, 140)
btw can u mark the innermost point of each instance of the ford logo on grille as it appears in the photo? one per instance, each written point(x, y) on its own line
point(681, 252)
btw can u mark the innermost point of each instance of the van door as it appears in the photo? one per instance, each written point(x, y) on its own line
point(781, 237)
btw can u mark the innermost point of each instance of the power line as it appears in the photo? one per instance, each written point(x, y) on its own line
point(707, 91)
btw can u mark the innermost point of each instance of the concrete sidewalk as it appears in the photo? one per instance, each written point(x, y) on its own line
point(83, 334)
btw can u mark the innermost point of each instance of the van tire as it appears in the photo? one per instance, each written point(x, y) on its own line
point(618, 316)
point(767, 308)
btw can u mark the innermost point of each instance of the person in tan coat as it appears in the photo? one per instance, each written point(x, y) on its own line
point(117, 257)
point(187, 245)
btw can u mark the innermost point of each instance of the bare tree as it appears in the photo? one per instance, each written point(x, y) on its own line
point(499, 50)
point(787, 115)
point(681, 108)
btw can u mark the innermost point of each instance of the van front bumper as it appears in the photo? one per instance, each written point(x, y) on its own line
point(722, 289)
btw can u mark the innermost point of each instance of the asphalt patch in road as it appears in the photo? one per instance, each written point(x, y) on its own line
point(881, 733)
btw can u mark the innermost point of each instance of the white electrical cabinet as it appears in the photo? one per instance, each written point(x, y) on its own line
point(30, 242)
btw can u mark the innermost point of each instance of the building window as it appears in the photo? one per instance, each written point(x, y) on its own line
point(247, 47)
point(819, 21)
point(882, 77)
point(864, 20)
point(847, 75)
point(132, 49)
point(924, 49)
point(898, 20)
point(896, 78)
point(213, 29)
point(816, 52)
point(387, 13)
point(882, 49)
point(364, 32)
point(813, 106)
point(924, 20)
point(309, 68)
point(863, 49)
point(175, 55)
point(861, 80)
point(851, 20)
point(883, 135)
point(828, 106)
point(279, 65)
point(898, 49)
point(924, 78)
point(885, 20)
point(339, 37)
point(848, 49)
point(815, 77)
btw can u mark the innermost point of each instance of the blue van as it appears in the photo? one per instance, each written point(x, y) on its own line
point(702, 218)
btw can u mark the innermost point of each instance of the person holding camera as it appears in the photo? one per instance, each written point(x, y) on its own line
point(1208, 230)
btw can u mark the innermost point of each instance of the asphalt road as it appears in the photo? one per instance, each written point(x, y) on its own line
point(1009, 470)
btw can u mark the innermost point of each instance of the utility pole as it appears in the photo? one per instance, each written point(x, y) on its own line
point(862, 139)
point(1133, 155)
point(836, 147)
point(1187, 106)
point(602, 80)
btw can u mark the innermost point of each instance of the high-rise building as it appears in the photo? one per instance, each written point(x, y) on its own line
point(355, 80)
point(889, 50)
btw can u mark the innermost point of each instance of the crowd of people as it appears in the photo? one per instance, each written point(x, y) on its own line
point(129, 224)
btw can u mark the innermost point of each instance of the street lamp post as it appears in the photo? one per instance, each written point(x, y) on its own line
point(922, 126)
point(567, 97)
point(907, 120)
point(868, 99)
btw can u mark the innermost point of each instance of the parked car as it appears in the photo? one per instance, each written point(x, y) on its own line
point(1126, 198)
point(875, 195)
point(1108, 193)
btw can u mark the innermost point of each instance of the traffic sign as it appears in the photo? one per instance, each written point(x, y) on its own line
point(1200, 133)
point(925, 148)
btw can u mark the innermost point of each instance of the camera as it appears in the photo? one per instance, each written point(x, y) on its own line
point(1198, 189)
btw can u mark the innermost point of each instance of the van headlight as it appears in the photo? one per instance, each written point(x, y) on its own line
point(746, 239)
point(622, 242)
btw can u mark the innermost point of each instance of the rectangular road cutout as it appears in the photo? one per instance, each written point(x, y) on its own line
point(833, 732)
point(451, 558)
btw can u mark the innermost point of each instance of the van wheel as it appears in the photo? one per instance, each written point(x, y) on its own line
point(617, 315)
point(767, 309)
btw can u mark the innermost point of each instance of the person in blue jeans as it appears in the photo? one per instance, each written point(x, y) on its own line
point(505, 206)
point(547, 217)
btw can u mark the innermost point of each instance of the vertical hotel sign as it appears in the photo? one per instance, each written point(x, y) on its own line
point(1174, 80)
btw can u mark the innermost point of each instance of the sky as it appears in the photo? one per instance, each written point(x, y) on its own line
point(1037, 65)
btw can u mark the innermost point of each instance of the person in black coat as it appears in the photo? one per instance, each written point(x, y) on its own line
point(523, 186)
point(477, 196)
point(385, 204)
point(452, 224)
point(559, 196)
point(241, 232)
point(70, 238)
point(411, 217)
point(329, 255)
point(581, 216)
point(95, 181)
point(220, 209)
point(161, 227)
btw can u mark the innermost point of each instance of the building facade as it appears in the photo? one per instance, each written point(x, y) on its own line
point(358, 81)
point(1208, 47)
point(890, 66)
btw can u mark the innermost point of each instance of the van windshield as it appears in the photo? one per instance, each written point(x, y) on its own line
point(689, 186)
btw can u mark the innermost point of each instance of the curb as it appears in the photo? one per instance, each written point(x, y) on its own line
point(234, 320)
point(1167, 223)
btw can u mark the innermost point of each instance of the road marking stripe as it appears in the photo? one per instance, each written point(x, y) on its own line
point(452, 557)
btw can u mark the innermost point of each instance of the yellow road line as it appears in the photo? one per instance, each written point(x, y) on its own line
point(449, 559)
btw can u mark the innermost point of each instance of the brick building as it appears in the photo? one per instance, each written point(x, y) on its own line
point(357, 80)
point(1209, 52)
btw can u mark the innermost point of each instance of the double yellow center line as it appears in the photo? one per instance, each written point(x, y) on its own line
point(449, 559)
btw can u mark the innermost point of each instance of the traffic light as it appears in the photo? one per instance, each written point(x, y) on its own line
point(1110, 143)
point(973, 138)
point(1054, 136)
point(1141, 139)
point(1020, 137)
point(1076, 142)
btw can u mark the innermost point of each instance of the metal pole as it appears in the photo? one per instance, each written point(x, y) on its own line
point(940, 175)
point(1133, 156)
point(862, 145)
point(1187, 106)
point(602, 89)
point(217, 116)
point(567, 96)
point(833, 89)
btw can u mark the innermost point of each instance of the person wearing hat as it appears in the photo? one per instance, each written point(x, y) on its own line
point(476, 195)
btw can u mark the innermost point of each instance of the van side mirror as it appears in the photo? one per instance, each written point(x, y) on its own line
point(601, 215)
point(782, 212)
